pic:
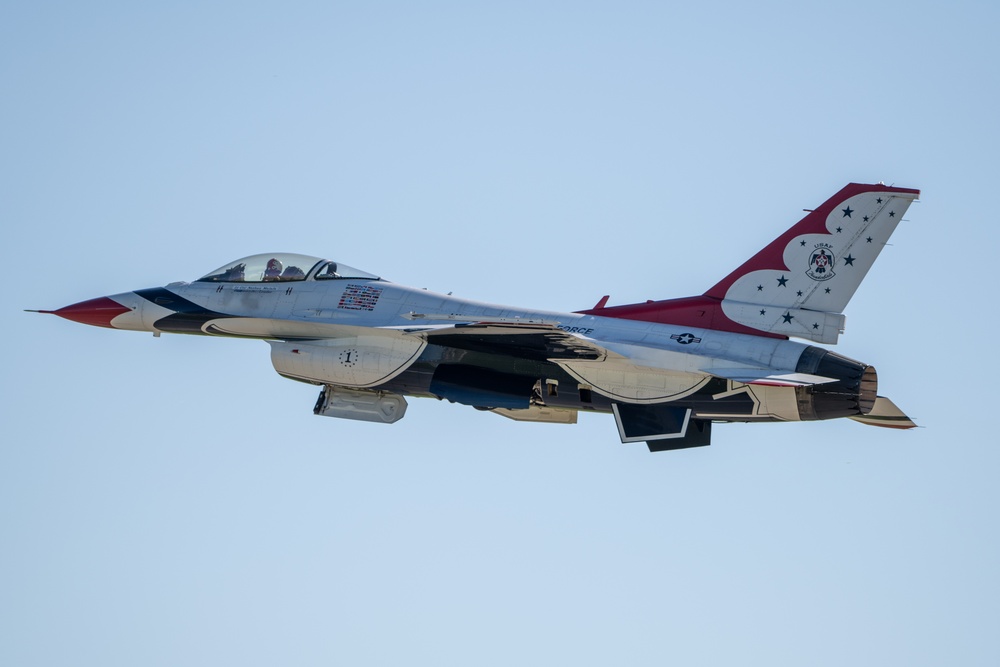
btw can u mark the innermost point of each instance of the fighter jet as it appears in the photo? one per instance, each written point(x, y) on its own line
point(667, 370)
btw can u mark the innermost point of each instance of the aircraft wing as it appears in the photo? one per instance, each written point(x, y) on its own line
point(498, 387)
point(535, 342)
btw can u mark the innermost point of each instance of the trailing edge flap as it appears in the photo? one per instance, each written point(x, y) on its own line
point(537, 342)
point(767, 376)
point(885, 414)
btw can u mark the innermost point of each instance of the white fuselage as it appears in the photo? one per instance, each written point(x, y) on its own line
point(647, 362)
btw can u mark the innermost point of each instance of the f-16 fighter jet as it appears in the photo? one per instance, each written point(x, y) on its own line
point(667, 370)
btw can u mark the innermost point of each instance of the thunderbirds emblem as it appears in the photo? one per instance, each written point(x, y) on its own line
point(821, 262)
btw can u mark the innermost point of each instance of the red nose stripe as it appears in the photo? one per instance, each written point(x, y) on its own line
point(98, 312)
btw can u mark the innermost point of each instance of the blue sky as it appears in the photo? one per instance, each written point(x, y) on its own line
point(173, 501)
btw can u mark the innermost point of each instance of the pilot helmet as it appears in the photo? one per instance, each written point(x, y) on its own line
point(273, 267)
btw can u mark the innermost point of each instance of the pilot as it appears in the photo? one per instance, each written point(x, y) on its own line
point(273, 270)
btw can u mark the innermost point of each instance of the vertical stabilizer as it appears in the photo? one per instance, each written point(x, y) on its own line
point(800, 283)
point(825, 255)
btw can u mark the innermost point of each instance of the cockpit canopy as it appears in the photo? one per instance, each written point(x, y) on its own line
point(283, 267)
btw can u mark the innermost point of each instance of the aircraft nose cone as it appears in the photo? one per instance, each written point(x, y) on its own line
point(98, 312)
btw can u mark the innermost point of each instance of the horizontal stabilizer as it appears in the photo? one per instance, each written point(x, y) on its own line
point(769, 377)
point(885, 414)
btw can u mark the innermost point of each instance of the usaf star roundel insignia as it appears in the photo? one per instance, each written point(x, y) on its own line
point(686, 338)
point(821, 262)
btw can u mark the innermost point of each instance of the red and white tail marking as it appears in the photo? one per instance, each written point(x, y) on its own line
point(800, 283)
